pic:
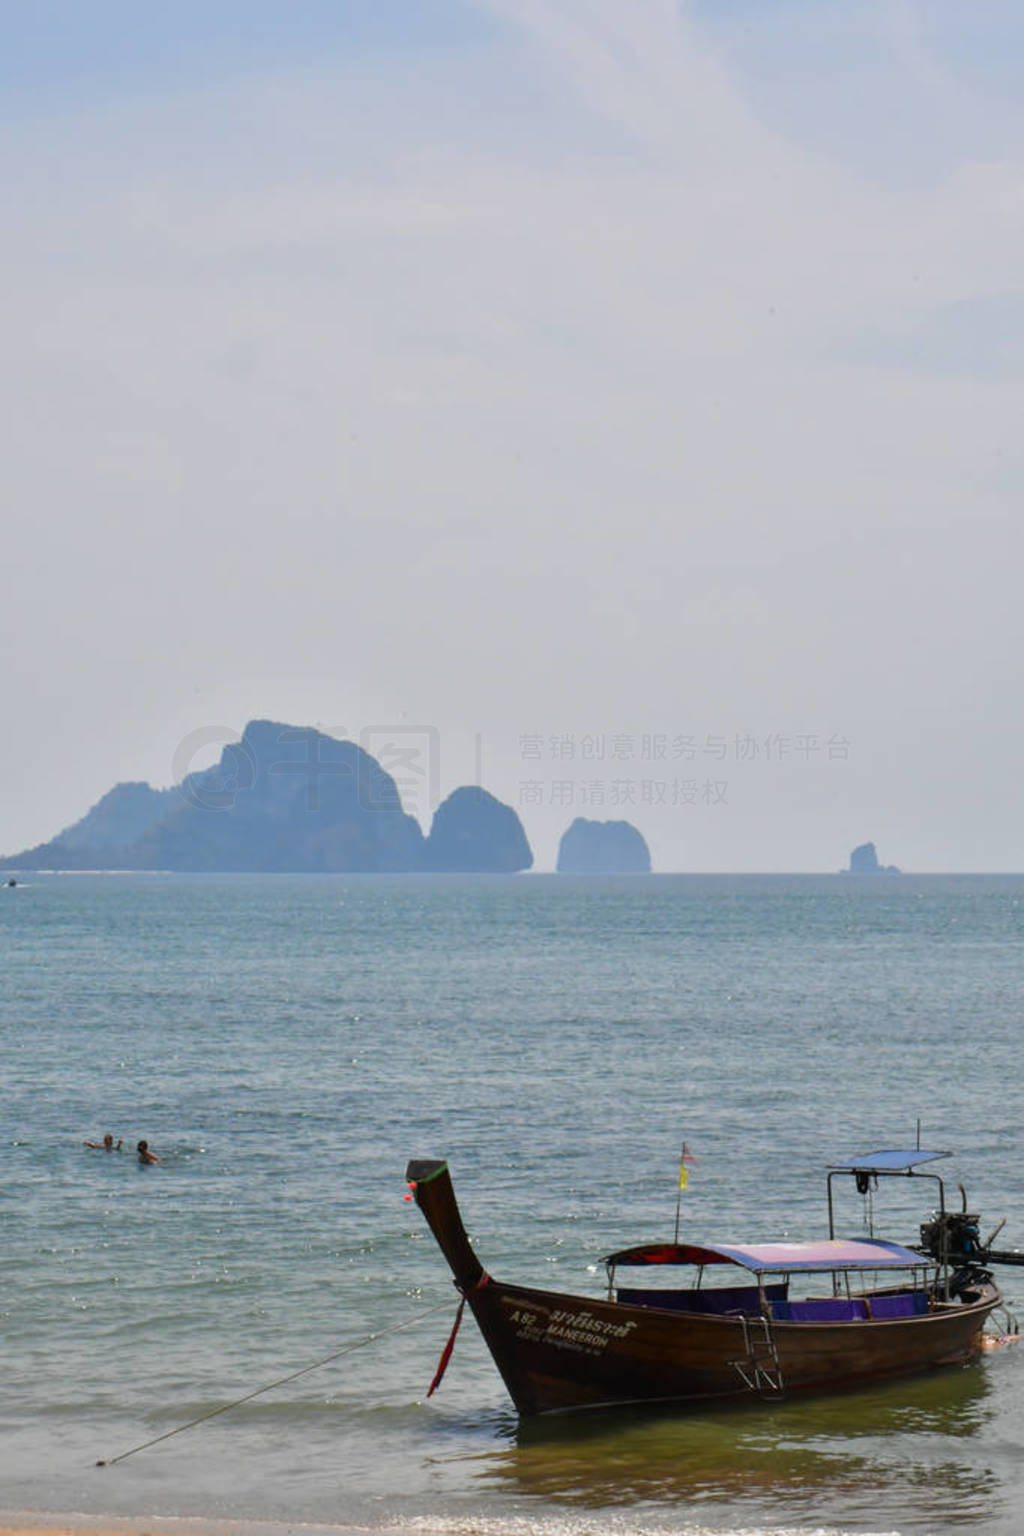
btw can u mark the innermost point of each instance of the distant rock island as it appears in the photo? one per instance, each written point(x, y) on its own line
point(864, 861)
point(603, 848)
point(473, 833)
point(285, 799)
point(125, 814)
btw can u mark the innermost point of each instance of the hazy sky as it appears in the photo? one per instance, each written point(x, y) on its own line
point(630, 394)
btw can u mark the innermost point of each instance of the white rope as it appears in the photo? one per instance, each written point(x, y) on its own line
point(280, 1382)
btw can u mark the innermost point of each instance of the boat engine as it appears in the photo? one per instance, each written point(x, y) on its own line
point(954, 1237)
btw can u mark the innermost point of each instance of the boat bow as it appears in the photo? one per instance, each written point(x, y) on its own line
point(431, 1185)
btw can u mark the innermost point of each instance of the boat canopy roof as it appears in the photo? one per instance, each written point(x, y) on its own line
point(887, 1162)
point(778, 1258)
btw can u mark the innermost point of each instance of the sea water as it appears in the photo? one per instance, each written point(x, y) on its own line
point(286, 1044)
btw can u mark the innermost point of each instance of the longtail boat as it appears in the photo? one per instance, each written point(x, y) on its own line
point(806, 1316)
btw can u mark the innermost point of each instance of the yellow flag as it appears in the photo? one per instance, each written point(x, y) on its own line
point(684, 1179)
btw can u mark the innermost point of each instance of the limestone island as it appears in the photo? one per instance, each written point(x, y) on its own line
point(864, 861)
point(473, 833)
point(603, 848)
point(285, 799)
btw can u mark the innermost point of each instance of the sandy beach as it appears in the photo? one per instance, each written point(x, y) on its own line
point(30, 1523)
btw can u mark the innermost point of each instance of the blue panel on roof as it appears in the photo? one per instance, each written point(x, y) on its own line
point(887, 1162)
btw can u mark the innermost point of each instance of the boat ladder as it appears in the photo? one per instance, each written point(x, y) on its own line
point(759, 1369)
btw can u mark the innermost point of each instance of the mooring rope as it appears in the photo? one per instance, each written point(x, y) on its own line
point(280, 1382)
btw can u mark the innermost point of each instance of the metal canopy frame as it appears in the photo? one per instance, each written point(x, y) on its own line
point(887, 1164)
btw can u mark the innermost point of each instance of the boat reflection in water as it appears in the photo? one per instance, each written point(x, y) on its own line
point(915, 1450)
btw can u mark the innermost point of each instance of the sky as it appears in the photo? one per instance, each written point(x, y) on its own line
point(616, 405)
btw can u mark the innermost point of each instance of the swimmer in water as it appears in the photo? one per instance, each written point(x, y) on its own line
point(106, 1145)
point(145, 1155)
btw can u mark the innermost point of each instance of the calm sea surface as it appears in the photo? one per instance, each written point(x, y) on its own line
point(286, 1044)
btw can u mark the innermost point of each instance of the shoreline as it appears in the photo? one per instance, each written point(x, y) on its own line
point(71, 1523)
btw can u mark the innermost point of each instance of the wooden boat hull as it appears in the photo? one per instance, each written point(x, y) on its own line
point(558, 1352)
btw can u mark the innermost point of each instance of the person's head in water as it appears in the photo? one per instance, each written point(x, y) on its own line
point(145, 1155)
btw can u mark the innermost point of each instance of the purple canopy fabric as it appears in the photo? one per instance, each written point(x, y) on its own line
point(846, 1253)
point(779, 1258)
